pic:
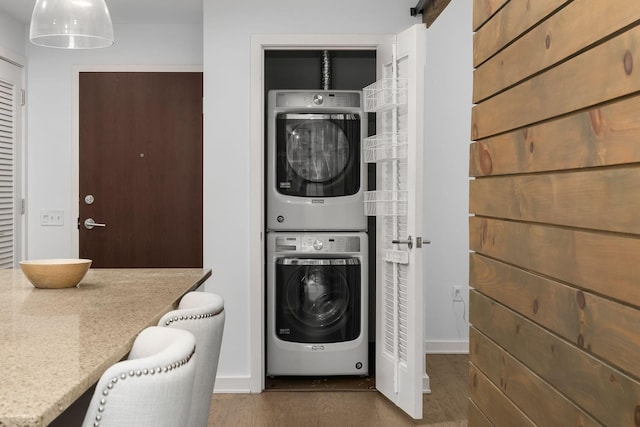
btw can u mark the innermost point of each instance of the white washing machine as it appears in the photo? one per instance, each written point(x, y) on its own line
point(317, 304)
point(315, 172)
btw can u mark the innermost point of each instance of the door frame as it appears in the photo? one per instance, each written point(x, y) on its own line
point(259, 44)
point(20, 244)
point(75, 129)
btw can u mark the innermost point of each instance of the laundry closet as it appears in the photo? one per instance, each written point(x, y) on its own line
point(320, 246)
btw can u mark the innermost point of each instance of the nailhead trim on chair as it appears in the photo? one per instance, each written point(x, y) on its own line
point(137, 373)
point(190, 317)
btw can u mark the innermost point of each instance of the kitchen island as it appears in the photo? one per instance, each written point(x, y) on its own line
point(56, 343)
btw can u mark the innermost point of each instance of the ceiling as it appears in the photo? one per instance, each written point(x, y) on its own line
point(126, 11)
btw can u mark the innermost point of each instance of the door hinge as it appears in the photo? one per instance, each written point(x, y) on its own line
point(22, 209)
point(23, 97)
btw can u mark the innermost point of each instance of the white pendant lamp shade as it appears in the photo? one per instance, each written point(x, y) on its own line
point(71, 24)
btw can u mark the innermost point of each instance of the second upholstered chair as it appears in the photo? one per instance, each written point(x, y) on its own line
point(202, 314)
point(152, 388)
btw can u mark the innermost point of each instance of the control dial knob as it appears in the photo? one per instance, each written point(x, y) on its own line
point(317, 245)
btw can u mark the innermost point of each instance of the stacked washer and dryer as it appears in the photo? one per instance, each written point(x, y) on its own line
point(317, 265)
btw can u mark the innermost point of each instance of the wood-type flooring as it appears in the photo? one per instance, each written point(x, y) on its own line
point(445, 406)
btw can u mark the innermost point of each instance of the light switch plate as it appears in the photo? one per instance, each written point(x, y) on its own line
point(51, 217)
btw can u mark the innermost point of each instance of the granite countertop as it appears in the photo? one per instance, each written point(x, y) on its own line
point(56, 343)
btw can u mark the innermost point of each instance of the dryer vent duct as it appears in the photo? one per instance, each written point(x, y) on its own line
point(326, 70)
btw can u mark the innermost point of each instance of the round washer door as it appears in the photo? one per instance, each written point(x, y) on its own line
point(318, 300)
point(318, 297)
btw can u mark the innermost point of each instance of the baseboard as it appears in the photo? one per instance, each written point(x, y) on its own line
point(232, 385)
point(426, 384)
point(446, 347)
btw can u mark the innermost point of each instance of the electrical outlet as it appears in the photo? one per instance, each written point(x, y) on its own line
point(457, 293)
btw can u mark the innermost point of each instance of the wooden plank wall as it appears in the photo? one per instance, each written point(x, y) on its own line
point(555, 204)
point(433, 9)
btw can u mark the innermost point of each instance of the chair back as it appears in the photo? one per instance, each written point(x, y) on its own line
point(152, 388)
point(202, 314)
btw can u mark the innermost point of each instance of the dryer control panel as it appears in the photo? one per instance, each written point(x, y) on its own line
point(326, 99)
point(318, 244)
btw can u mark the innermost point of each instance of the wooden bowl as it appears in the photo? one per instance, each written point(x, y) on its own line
point(55, 273)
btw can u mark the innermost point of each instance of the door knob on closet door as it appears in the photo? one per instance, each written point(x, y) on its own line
point(408, 242)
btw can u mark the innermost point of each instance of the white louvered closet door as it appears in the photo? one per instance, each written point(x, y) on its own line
point(397, 150)
point(10, 136)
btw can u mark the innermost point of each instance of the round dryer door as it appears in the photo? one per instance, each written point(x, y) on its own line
point(317, 150)
point(317, 155)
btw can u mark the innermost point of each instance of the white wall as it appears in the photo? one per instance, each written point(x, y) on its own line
point(448, 118)
point(228, 30)
point(12, 34)
point(49, 109)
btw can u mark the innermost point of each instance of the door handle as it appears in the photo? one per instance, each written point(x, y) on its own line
point(89, 223)
point(408, 242)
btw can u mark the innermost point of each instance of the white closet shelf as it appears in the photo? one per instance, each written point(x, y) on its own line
point(385, 203)
point(387, 146)
point(385, 94)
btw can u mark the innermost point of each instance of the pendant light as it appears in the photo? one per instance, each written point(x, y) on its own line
point(71, 24)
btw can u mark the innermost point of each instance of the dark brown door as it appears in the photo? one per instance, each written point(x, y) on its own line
point(141, 169)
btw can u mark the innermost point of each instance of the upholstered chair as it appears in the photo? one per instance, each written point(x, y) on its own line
point(202, 314)
point(152, 388)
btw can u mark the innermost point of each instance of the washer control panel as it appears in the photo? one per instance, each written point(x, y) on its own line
point(318, 244)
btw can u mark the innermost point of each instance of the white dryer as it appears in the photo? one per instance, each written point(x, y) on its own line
point(315, 172)
point(317, 304)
